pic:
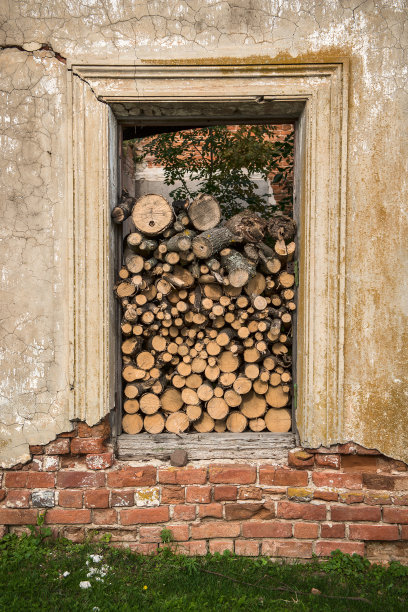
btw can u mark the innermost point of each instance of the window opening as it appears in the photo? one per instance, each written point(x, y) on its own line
point(207, 285)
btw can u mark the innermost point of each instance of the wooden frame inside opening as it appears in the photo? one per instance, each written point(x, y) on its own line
point(315, 95)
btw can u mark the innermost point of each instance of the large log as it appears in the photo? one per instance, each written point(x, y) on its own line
point(152, 214)
point(204, 212)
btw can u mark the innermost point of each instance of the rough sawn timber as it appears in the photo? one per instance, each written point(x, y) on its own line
point(209, 446)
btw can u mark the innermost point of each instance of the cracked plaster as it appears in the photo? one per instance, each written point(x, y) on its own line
point(372, 34)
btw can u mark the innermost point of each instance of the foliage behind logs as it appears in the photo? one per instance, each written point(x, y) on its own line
point(219, 161)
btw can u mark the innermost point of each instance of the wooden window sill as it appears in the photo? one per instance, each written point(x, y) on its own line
point(209, 446)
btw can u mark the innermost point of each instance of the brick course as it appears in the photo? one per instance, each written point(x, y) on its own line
point(343, 497)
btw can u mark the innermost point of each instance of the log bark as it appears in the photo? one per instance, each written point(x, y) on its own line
point(281, 227)
point(124, 208)
point(240, 270)
point(208, 243)
point(247, 225)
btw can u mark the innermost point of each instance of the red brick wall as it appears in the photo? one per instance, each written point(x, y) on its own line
point(344, 497)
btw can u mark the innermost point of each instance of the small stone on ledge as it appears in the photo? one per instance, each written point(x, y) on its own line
point(179, 458)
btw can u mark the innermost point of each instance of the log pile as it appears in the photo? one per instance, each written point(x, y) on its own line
point(207, 318)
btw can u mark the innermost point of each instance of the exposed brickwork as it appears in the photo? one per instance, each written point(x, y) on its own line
point(343, 497)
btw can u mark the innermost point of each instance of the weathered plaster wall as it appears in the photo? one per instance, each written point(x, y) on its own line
point(33, 366)
point(373, 34)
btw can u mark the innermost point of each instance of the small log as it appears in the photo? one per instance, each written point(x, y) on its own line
point(260, 386)
point(131, 373)
point(240, 270)
point(131, 391)
point(131, 406)
point(205, 423)
point(270, 265)
point(190, 396)
point(212, 291)
point(259, 302)
point(126, 328)
point(194, 381)
point(227, 379)
point(253, 405)
point(205, 392)
point(180, 242)
point(152, 214)
point(149, 403)
point(228, 362)
point(154, 423)
point(256, 285)
point(284, 251)
point(257, 424)
point(177, 422)
point(252, 371)
point(212, 373)
point(131, 345)
point(278, 421)
point(133, 240)
point(204, 212)
point(193, 413)
point(236, 422)
point(180, 278)
point(158, 343)
point(124, 208)
point(217, 408)
point(132, 423)
point(220, 426)
point(133, 262)
point(125, 289)
point(232, 398)
point(286, 280)
point(242, 385)
point(171, 400)
point(145, 360)
point(208, 243)
point(276, 397)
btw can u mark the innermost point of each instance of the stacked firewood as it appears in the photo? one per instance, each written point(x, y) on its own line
point(207, 318)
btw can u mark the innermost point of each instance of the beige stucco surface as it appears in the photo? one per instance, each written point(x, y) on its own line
point(35, 380)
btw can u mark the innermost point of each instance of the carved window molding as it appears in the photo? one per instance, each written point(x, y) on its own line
point(316, 94)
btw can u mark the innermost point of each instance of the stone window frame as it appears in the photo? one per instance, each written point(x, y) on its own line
point(321, 91)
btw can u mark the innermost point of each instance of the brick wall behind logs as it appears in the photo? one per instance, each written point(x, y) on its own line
point(343, 497)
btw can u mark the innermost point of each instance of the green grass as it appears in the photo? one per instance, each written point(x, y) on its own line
point(32, 578)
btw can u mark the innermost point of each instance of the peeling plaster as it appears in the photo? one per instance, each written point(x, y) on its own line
point(34, 382)
point(34, 342)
